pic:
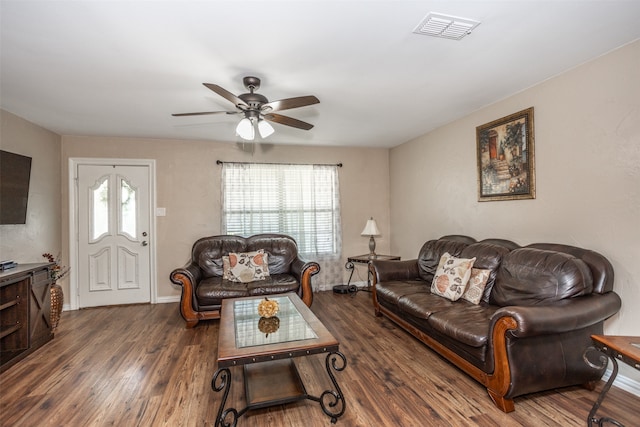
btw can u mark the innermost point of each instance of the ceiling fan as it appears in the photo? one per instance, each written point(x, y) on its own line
point(257, 109)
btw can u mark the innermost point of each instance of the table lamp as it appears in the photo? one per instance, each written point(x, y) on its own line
point(371, 229)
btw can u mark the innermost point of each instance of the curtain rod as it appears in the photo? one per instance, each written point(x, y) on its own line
point(220, 162)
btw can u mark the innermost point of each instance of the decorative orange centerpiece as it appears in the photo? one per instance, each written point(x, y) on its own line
point(268, 308)
point(268, 325)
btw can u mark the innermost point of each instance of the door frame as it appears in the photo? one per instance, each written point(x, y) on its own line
point(74, 162)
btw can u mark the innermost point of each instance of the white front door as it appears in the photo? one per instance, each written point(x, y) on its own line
point(113, 235)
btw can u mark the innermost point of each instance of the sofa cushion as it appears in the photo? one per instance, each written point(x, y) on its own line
point(210, 263)
point(504, 243)
point(601, 268)
point(452, 276)
point(422, 304)
point(488, 255)
point(245, 267)
point(213, 290)
point(464, 322)
point(207, 252)
point(535, 277)
point(274, 284)
point(476, 285)
point(432, 251)
point(391, 292)
point(282, 251)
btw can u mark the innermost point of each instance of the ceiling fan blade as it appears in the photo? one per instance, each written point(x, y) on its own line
point(289, 121)
point(239, 103)
point(203, 113)
point(288, 103)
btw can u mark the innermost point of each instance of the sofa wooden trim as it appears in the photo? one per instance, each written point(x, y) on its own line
point(189, 314)
point(497, 384)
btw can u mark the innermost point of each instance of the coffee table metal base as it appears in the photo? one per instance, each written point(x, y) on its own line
point(277, 383)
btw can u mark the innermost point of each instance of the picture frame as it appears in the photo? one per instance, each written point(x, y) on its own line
point(506, 158)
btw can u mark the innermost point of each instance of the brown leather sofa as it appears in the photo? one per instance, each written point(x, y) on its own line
point(203, 287)
point(532, 326)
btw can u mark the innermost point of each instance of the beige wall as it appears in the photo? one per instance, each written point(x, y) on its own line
point(188, 186)
point(587, 148)
point(26, 243)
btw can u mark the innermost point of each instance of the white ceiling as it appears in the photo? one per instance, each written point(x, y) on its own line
point(120, 68)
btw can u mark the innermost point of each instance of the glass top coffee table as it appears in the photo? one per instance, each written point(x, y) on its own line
point(265, 347)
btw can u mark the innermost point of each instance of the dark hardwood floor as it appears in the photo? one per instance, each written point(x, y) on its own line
point(139, 366)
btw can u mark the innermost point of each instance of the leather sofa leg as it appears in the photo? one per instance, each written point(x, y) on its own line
point(191, 323)
point(504, 404)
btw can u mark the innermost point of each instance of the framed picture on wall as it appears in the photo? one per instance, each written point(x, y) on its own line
point(506, 160)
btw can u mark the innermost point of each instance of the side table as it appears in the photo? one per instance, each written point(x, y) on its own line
point(625, 348)
point(361, 259)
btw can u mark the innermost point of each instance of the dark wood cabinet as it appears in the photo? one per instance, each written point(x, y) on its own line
point(25, 308)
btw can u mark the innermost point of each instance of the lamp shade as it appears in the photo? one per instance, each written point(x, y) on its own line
point(245, 129)
point(371, 228)
point(265, 128)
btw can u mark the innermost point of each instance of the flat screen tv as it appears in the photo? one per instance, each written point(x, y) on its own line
point(15, 171)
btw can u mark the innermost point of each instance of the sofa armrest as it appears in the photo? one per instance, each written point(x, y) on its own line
point(190, 270)
point(303, 270)
point(394, 270)
point(564, 316)
point(188, 277)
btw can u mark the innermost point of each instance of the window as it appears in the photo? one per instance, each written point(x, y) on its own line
point(302, 201)
point(100, 209)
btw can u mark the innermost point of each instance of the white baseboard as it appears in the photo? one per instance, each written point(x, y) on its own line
point(159, 300)
point(623, 382)
point(176, 298)
point(166, 300)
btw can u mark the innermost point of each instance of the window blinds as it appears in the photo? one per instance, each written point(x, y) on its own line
point(302, 201)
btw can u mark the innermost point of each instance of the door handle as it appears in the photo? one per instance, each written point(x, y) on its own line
point(144, 243)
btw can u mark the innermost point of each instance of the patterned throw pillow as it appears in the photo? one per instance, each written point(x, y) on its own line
point(476, 285)
point(245, 267)
point(452, 276)
point(226, 268)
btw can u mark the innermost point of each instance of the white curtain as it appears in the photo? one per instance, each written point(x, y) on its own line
point(302, 201)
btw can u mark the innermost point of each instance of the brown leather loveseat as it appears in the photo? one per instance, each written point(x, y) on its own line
point(203, 284)
point(532, 325)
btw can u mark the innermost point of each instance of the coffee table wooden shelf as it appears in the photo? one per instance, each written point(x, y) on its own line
point(270, 374)
point(261, 379)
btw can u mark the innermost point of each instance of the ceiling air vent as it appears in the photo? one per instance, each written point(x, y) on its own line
point(446, 26)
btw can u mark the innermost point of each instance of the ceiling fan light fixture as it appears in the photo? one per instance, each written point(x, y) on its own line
point(265, 128)
point(257, 108)
point(245, 129)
